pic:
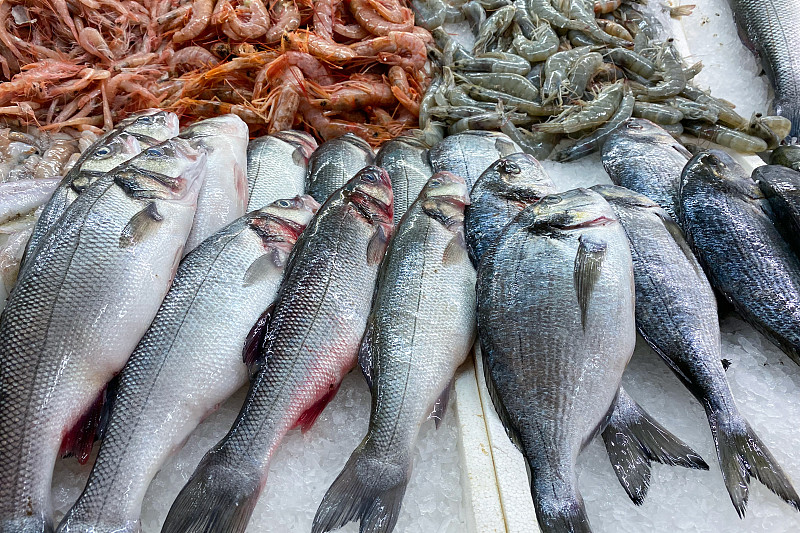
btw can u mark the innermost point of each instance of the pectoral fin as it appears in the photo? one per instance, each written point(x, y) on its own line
point(140, 226)
point(264, 266)
point(588, 265)
point(377, 246)
point(456, 250)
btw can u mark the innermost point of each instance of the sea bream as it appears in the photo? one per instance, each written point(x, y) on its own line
point(781, 187)
point(405, 158)
point(420, 330)
point(727, 223)
point(334, 163)
point(676, 313)
point(218, 294)
point(277, 166)
point(469, 154)
point(299, 351)
point(556, 325)
point(79, 308)
point(223, 197)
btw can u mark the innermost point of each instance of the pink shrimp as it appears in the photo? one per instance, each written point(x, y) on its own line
point(402, 90)
point(606, 6)
point(92, 41)
point(371, 19)
point(312, 68)
point(397, 48)
point(328, 128)
point(191, 58)
point(243, 22)
point(323, 18)
point(201, 16)
point(351, 31)
point(351, 95)
point(87, 77)
point(391, 10)
point(286, 18)
point(319, 47)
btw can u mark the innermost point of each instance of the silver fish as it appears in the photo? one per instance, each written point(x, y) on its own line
point(334, 163)
point(223, 197)
point(237, 270)
point(301, 350)
point(556, 325)
point(276, 167)
point(469, 154)
point(676, 313)
point(420, 330)
point(77, 312)
point(18, 198)
point(406, 160)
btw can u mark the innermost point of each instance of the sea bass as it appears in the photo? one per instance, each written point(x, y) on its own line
point(277, 166)
point(676, 313)
point(502, 191)
point(772, 29)
point(645, 158)
point(781, 186)
point(724, 215)
point(469, 154)
point(556, 324)
point(77, 312)
point(420, 330)
point(334, 163)
point(223, 197)
point(405, 158)
point(300, 351)
point(218, 294)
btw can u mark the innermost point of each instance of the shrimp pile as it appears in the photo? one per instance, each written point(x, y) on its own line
point(542, 70)
point(331, 66)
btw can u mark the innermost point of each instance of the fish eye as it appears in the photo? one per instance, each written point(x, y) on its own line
point(370, 177)
point(146, 119)
point(103, 151)
point(635, 126)
point(552, 199)
point(155, 152)
point(284, 203)
point(436, 182)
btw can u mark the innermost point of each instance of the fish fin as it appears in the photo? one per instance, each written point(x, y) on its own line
point(634, 439)
point(588, 264)
point(456, 250)
point(367, 489)
point(263, 266)
point(79, 439)
point(377, 246)
point(440, 405)
point(299, 157)
point(307, 419)
point(562, 515)
point(140, 226)
point(254, 342)
point(220, 496)
point(109, 399)
point(500, 409)
point(742, 455)
point(365, 352)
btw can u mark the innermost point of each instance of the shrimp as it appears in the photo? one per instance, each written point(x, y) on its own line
point(759, 128)
point(328, 128)
point(446, 42)
point(402, 91)
point(555, 71)
point(695, 110)
point(780, 125)
point(395, 48)
point(210, 108)
point(494, 62)
point(428, 100)
point(737, 140)
point(512, 84)
point(594, 141)
point(632, 61)
point(234, 25)
point(354, 94)
point(191, 58)
point(537, 144)
point(615, 29)
point(202, 11)
point(542, 44)
point(526, 106)
point(287, 19)
point(369, 17)
point(606, 6)
point(661, 114)
point(590, 115)
point(391, 10)
point(312, 68)
point(287, 102)
point(727, 115)
point(582, 71)
point(494, 26)
point(429, 14)
point(671, 67)
point(323, 18)
point(332, 52)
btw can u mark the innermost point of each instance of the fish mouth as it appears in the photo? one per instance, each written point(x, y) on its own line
point(271, 228)
point(593, 223)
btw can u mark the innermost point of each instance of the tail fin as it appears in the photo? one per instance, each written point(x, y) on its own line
point(559, 505)
point(742, 455)
point(218, 497)
point(369, 490)
point(633, 439)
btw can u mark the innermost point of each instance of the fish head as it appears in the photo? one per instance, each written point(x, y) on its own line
point(370, 192)
point(224, 125)
point(518, 178)
point(157, 124)
point(568, 211)
point(355, 140)
point(444, 197)
point(103, 157)
point(280, 223)
point(302, 141)
point(716, 169)
point(641, 130)
point(172, 170)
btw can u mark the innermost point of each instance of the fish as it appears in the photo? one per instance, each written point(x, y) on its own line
point(468, 154)
point(676, 313)
point(19, 198)
point(420, 329)
point(556, 327)
point(781, 187)
point(334, 163)
point(77, 313)
point(643, 157)
point(771, 28)
point(503, 190)
point(11, 254)
point(223, 197)
point(276, 167)
point(298, 351)
point(237, 270)
point(128, 139)
point(405, 158)
point(787, 156)
point(725, 218)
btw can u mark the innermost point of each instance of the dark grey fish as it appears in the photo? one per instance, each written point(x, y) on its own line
point(406, 160)
point(726, 221)
point(643, 157)
point(781, 186)
point(772, 29)
point(277, 166)
point(469, 154)
point(506, 188)
point(556, 325)
point(334, 163)
point(300, 350)
point(676, 313)
point(787, 156)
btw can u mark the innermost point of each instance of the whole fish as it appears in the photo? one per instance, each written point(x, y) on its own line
point(724, 215)
point(505, 189)
point(130, 137)
point(420, 330)
point(641, 156)
point(223, 197)
point(469, 154)
point(676, 313)
point(237, 270)
point(405, 158)
point(334, 163)
point(18, 198)
point(772, 29)
point(556, 323)
point(276, 167)
point(77, 312)
point(781, 186)
point(301, 349)
point(787, 156)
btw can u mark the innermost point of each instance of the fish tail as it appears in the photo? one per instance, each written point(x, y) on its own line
point(220, 496)
point(742, 455)
point(634, 439)
point(368, 489)
point(559, 505)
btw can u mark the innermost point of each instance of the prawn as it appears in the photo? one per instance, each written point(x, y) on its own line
point(323, 18)
point(737, 140)
point(369, 18)
point(306, 41)
point(190, 58)
point(328, 128)
point(395, 48)
point(590, 115)
point(391, 10)
point(495, 25)
point(661, 114)
point(606, 6)
point(402, 91)
point(596, 140)
point(238, 28)
point(512, 84)
point(202, 11)
point(353, 94)
point(287, 19)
